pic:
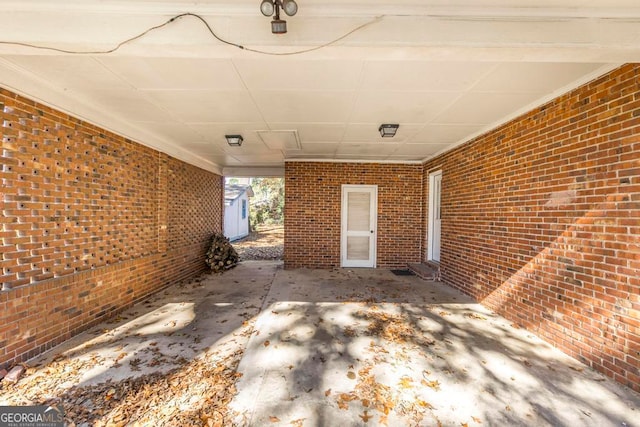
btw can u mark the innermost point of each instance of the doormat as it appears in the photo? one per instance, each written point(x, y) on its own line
point(403, 272)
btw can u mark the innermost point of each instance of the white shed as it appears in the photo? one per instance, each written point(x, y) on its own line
point(236, 210)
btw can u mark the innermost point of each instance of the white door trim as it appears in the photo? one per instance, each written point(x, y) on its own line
point(431, 250)
point(372, 233)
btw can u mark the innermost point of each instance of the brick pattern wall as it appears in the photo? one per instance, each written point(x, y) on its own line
point(541, 222)
point(313, 205)
point(196, 201)
point(91, 222)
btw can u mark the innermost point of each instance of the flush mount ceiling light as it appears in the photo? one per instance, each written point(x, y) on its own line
point(268, 7)
point(234, 140)
point(388, 130)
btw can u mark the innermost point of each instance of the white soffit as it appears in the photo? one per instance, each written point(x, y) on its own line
point(445, 70)
point(285, 140)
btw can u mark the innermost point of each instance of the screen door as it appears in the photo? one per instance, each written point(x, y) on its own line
point(359, 213)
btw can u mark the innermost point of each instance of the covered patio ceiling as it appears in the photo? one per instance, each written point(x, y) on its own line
point(446, 71)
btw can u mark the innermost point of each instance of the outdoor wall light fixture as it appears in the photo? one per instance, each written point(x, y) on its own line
point(268, 7)
point(388, 130)
point(234, 140)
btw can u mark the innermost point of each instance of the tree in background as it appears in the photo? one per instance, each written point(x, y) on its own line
point(267, 204)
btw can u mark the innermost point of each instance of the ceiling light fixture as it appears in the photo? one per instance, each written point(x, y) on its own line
point(388, 130)
point(269, 7)
point(234, 140)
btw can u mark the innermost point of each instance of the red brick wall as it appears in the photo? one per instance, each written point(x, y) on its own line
point(541, 222)
point(91, 222)
point(312, 211)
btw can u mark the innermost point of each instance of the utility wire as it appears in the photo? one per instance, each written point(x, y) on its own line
point(311, 49)
point(206, 24)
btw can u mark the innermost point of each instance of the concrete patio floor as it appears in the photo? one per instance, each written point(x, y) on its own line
point(344, 347)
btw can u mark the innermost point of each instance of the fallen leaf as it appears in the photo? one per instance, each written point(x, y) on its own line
point(474, 316)
point(347, 397)
point(435, 384)
point(476, 419)
point(266, 343)
point(365, 403)
point(365, 417)
point(298, 422)
point(327, 393)
point(424, 404)
point(351, 375)
point(527, 363)
point(274, 419)
point(406, 382)
point(349, 332)
point(577, 369)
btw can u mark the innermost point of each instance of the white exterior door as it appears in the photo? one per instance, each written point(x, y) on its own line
point(435, 219)
point(359, 214)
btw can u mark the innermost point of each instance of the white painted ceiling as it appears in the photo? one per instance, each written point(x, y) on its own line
point(444, 70)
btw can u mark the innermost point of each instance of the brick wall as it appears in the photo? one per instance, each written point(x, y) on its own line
point(312, 211)
point(91, 223)
point(541, 222)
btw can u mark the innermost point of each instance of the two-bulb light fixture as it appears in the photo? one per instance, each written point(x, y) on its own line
point(269, 7)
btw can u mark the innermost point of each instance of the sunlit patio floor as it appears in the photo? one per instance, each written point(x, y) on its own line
point(260, 345)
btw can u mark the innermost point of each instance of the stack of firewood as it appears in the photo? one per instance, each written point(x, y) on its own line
point(221, 255)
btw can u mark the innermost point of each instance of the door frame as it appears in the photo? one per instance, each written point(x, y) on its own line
point(373, 215)
point(431, 219)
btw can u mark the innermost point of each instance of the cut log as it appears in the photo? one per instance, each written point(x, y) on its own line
point(221, 254)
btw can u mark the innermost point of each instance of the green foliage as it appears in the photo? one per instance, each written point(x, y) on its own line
point(267, 204)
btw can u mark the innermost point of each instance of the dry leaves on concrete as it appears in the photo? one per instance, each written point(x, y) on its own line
point(379, 400)
point(474, 316)
point(396, 328)
point(376, 399)
point(194, 394)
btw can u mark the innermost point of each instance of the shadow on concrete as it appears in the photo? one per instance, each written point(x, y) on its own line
point(319, 348)
point(149, 357)
point(356, 347)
